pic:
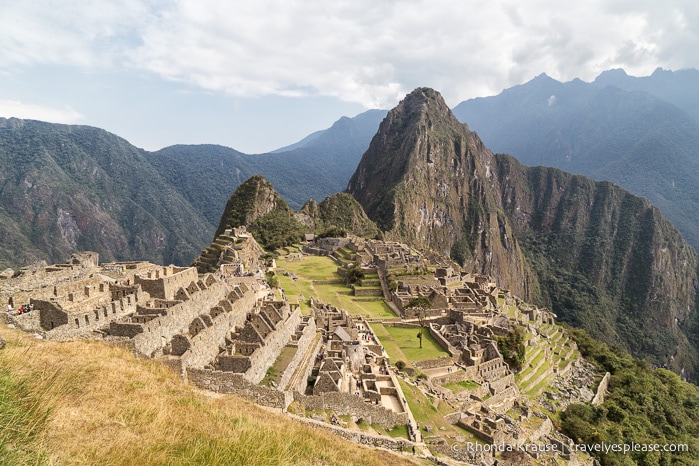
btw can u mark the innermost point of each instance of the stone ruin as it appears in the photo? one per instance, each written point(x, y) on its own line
point(475, 295)
point(346, 362)
point(223, 331)
point(254, 347)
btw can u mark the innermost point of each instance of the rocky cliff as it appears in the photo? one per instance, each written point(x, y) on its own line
point(427, 180)
point(602, 258)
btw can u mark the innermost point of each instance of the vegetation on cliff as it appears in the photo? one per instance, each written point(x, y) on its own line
point(256, 205)
point(643, 141)
point(68, 188)
point(642, 406)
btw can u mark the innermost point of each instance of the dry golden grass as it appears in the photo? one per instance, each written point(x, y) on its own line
point(97, 404)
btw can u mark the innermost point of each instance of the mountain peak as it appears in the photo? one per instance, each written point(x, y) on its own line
point(253, 199)
point(611, 77)
point(421, 100)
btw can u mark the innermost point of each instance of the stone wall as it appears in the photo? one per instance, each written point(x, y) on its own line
point(264, 357)
point(302, 382)
point(601, 390)
point(204, 346)
point(434, 363)
point(436, 334)
point(545, 428)
point(349, 404)
point(304, 341)
point(466, 373)
point(230, 382)
point(461, 453)
point(361, 438)
point(359, 291)
point(61, 324)
point(165, 282)
point(39, 284)
point(149, 337)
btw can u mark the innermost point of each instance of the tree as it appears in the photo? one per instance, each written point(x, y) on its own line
point(354, 274)
point(513, 348)
point(420, 305)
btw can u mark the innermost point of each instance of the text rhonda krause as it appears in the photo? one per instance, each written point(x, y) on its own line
point(581, 447)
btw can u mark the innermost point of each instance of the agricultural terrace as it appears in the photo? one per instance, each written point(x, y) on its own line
point(429, 413)
point(402, 344)
point(317, 276)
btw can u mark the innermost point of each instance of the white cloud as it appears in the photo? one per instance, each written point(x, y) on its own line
point(368, 51)
point(13, 108)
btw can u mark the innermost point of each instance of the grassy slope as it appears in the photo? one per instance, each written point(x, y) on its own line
point(321, 268)
point(85, 402)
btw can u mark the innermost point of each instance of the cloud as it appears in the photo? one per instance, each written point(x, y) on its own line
point(13, 108)
point(367, 51)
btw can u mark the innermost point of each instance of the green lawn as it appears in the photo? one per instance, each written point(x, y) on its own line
point(393, 350)
point(406, 339)
point(311, 267)
point(319, 268)
point(457, 387)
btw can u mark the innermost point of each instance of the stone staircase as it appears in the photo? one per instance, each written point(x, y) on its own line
point(215, 254)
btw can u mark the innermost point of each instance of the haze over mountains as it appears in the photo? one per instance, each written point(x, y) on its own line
point(640, 133)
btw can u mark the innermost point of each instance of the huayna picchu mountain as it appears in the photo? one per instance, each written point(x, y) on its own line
point(600, 257)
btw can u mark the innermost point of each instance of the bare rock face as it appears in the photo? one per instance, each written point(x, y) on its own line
point(428, 181)
point(600, 257)
point(2, 343)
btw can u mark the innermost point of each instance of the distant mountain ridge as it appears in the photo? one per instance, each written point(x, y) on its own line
point(313, 168)
point(680, 88)
point(159, 206)
point(631, 137)
point(65, 188)
point(600, 257)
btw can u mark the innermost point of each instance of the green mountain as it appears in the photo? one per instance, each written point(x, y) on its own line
point(337, 213)
point(256, 205)
point(67, 188)
point(600, 257)
point(633, 137)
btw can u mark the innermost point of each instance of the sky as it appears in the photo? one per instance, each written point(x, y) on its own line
point(256, 76)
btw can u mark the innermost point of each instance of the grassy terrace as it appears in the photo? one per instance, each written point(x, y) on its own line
point(275, 372)
point(403, 344)
point(313, 269)
point(426, 414)
point(457, 387)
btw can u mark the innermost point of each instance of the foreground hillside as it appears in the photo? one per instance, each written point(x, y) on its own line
point(84, 402)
